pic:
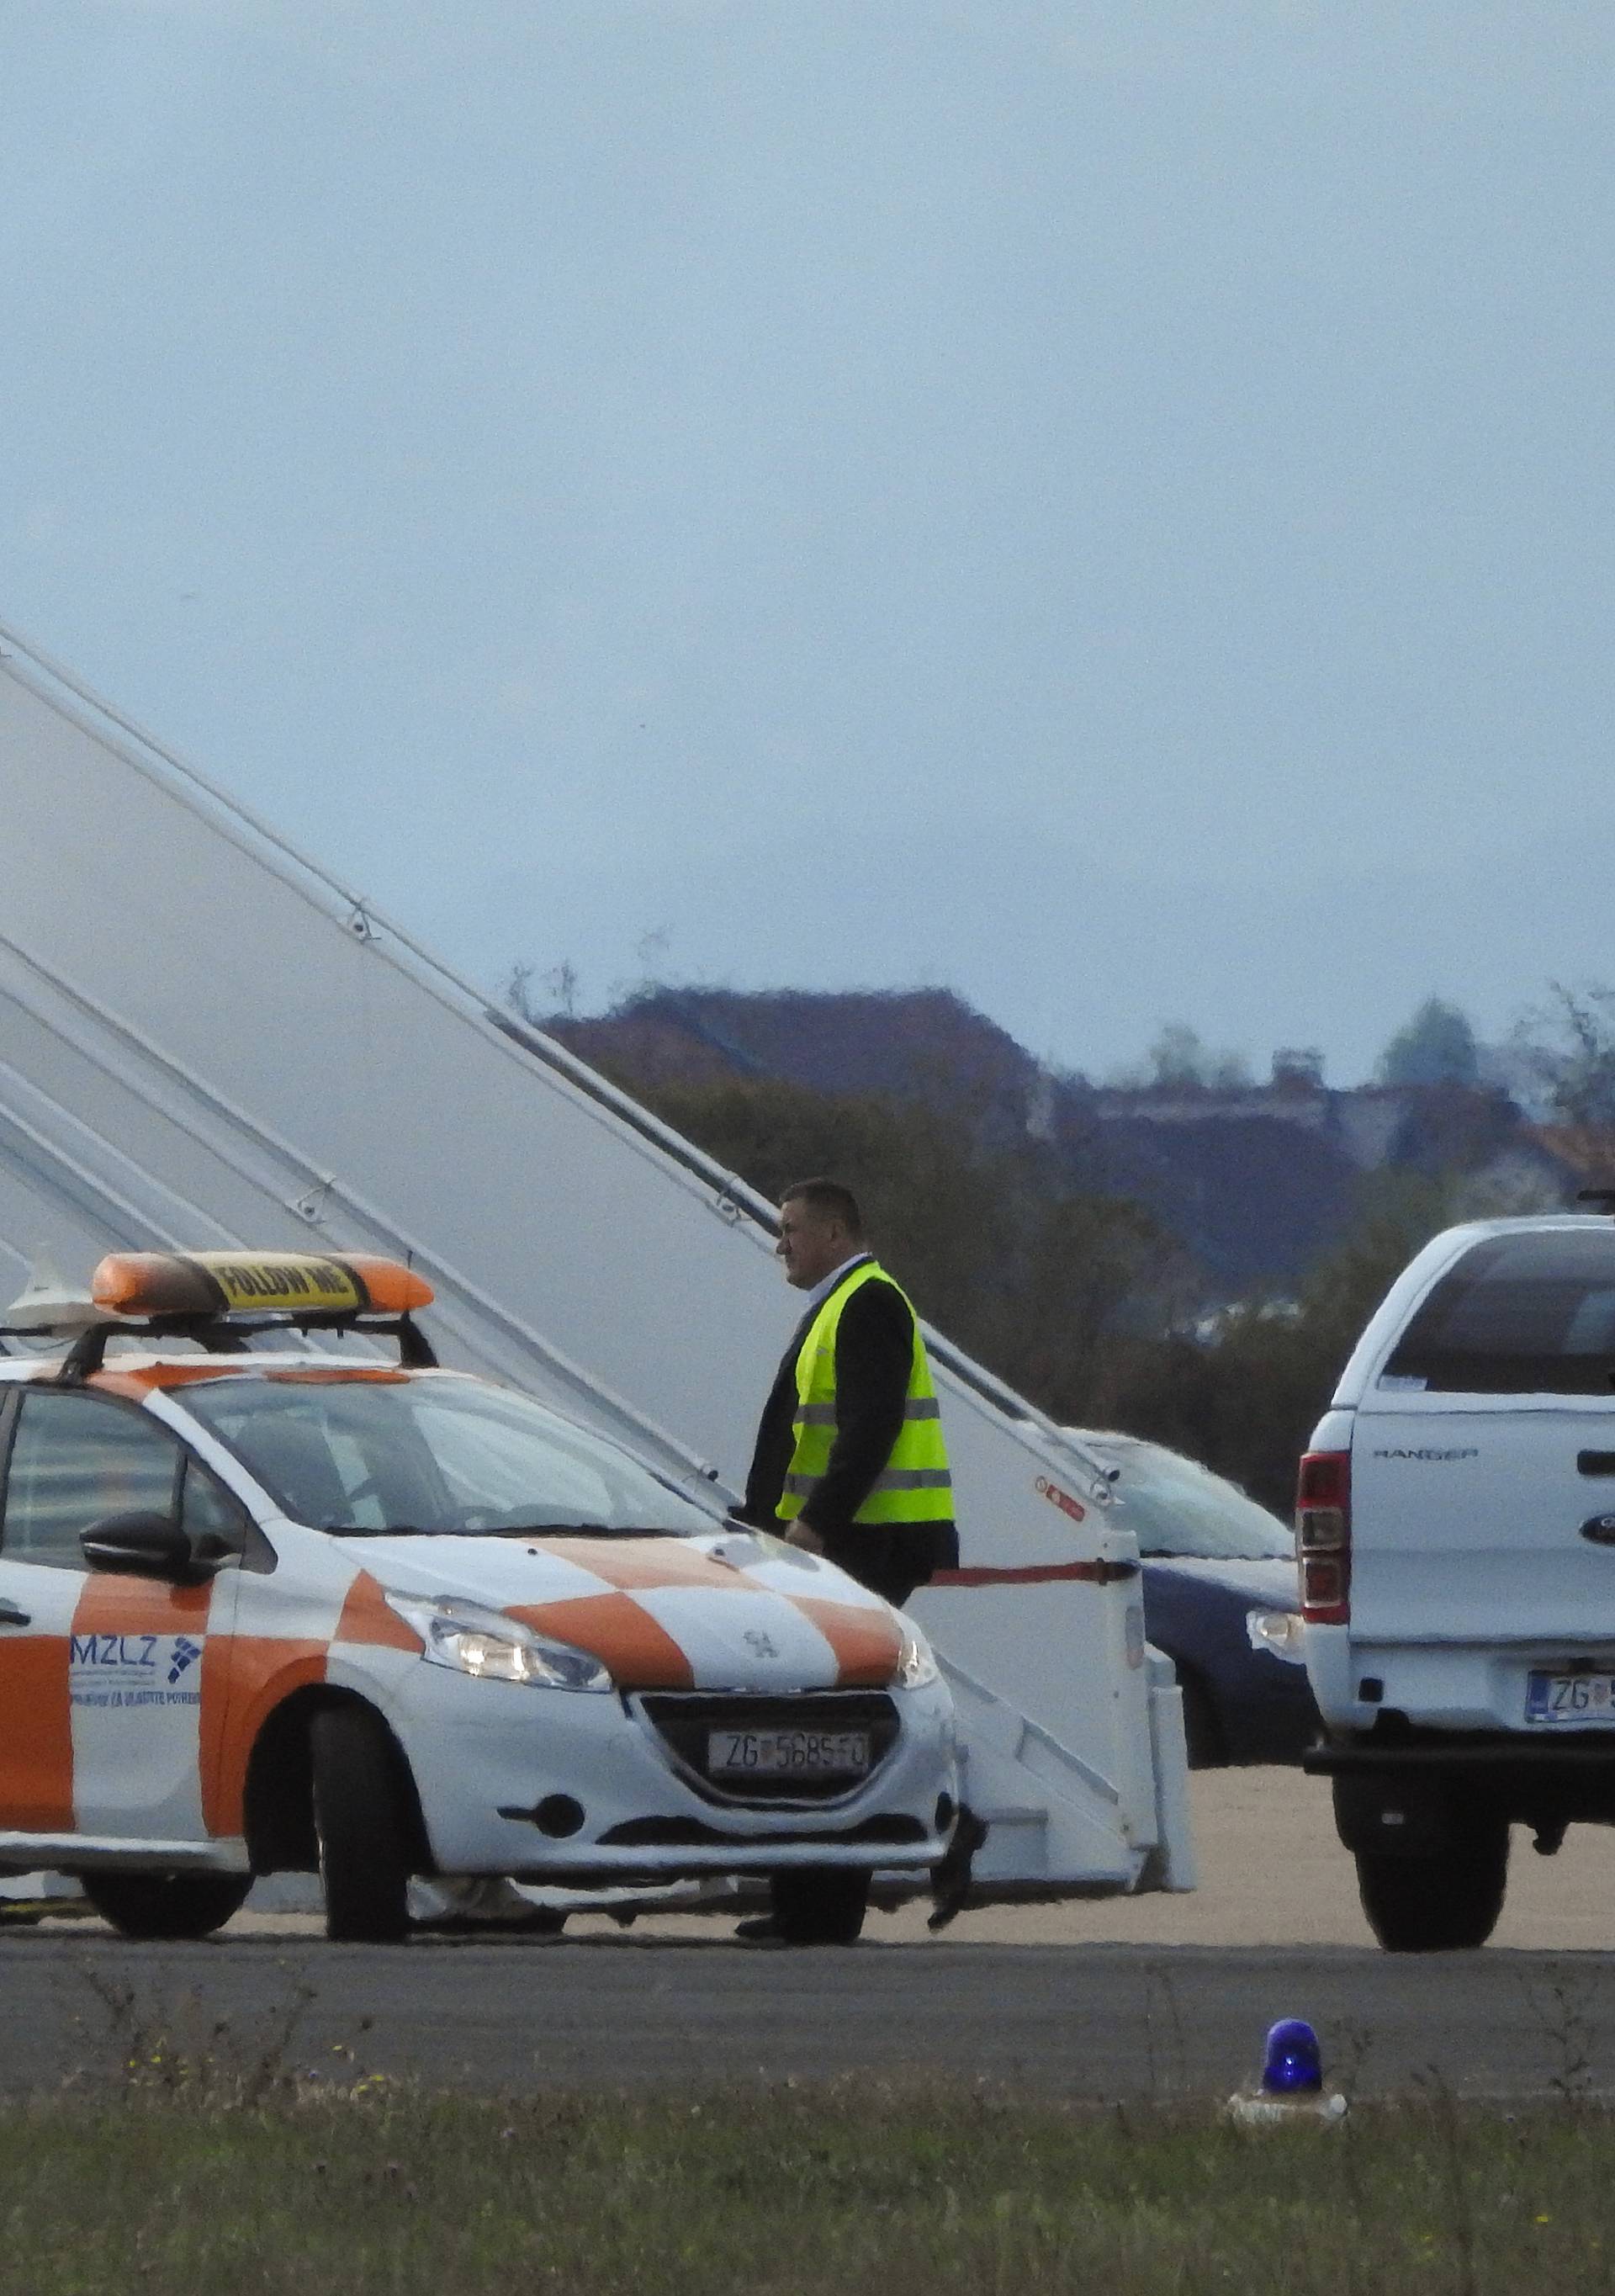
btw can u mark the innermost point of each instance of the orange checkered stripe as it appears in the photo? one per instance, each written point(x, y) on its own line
point(621, 1601)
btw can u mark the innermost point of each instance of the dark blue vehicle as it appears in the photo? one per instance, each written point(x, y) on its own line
point(1221, 1600)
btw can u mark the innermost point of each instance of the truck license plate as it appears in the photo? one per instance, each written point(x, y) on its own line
point(1573, 1698)
point(787, 1753)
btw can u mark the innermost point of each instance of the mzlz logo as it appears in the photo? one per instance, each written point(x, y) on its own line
point(124, 1652)
point(186, 1653)
point(131, 1669)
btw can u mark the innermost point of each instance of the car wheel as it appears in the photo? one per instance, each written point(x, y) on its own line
point(166, 1904)
point(819, 1905)
point(361, 1826)
point(1445, 1902)
point(1203, 1737)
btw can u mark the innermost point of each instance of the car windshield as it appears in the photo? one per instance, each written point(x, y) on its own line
point(1175, 1506)
point(396, 1452)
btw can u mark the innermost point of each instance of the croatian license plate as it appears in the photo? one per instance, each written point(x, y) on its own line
point(787, 1753)
point(1573, 1698)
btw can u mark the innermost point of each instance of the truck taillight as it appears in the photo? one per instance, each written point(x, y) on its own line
point(1322, 1537)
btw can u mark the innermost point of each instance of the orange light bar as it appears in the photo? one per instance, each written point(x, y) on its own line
point(392, 1289)
point(226, 1283)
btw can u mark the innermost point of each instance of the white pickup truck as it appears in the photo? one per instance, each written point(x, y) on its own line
point(1456, 1533)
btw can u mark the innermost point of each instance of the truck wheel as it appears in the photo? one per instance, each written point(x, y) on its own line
point(361, 1824)
point(1447, 1902)
point(819, 1905)
point(166, 1904)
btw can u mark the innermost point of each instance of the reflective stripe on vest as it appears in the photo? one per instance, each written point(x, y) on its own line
point(822, 1414)
point(915, 1484)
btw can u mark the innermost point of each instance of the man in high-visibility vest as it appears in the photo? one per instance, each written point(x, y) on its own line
point(850, 1461)
point(850, 1464)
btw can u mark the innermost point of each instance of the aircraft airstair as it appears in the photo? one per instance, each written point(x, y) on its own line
point(205, 1040)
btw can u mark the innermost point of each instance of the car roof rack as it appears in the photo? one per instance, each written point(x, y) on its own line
point(87, 1351)
point(221, 1300)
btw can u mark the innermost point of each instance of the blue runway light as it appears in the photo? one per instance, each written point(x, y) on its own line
point(1294, 2064)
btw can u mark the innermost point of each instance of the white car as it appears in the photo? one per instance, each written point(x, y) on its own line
point(1456, 1532)
point(294, 1611)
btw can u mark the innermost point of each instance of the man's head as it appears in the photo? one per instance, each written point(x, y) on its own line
point(820, 1227)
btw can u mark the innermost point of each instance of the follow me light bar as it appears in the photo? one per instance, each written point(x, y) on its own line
point(212, 1284)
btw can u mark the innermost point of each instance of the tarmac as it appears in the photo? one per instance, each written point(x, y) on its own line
point(1153, 1998)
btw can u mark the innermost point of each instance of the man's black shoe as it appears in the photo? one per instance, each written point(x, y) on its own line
point(762, 1928)
point(950, 1880)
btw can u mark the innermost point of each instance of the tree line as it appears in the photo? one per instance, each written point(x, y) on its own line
point(1085, 1302)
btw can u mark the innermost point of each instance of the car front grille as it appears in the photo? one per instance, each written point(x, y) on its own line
point(684, 1719)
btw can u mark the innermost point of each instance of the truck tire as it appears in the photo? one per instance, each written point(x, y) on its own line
point(361, 1826)
point(819, 1905)
point(1447, 1901)
point(166, 1904)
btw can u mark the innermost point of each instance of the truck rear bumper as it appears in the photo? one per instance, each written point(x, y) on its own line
point(1423, 1796)
point(1537, 1756)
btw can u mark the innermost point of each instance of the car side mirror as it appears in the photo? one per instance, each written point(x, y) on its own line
point(150, 1545)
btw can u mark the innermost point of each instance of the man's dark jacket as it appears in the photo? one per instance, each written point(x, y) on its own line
point(875, 1343)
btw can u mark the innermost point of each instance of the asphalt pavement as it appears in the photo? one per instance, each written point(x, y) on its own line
point(1114, 2021)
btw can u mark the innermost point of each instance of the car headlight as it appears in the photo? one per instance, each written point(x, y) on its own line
point(484, 1643)
point(916, 1665)
point(1282, 1634)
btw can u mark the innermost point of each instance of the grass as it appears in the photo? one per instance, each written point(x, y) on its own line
point(182, 2176)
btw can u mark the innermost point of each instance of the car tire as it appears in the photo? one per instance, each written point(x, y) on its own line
point(1203, 1739)
point(166, 1904)
point(819, 1905)
point(361, 1826)
point(1445, 1902)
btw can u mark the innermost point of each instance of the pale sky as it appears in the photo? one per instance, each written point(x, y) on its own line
point(1106, 506)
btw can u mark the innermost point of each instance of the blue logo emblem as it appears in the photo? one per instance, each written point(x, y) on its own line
point(186, 1653)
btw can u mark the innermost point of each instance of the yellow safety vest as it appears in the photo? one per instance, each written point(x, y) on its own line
point(914, 1486)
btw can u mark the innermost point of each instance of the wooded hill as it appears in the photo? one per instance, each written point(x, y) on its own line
point(1186, 1259)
